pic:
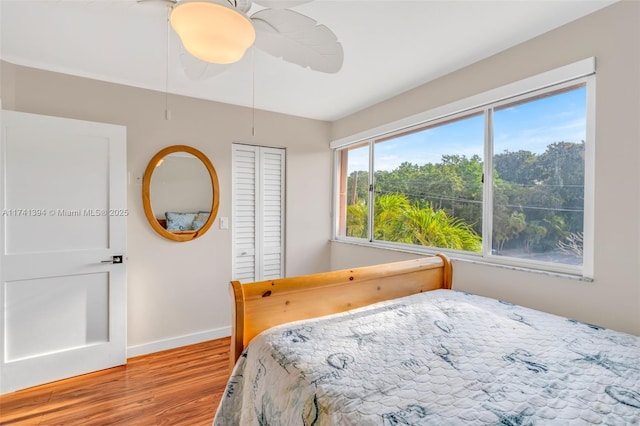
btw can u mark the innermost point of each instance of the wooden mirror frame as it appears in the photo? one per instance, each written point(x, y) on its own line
point(146, 193)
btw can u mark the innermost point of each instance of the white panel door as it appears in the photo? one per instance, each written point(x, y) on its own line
point(63, 200)
point(258, 212)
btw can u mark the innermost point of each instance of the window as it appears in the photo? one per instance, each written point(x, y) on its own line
point(354, 191)
point(538, 177)
point(504, 181)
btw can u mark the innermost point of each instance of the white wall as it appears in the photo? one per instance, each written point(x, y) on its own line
point(612, 35)
point(178, 292)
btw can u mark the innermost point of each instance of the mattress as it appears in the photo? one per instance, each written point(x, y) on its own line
point(437, 358)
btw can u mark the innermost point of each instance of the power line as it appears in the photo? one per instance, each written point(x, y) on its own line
point(468, 201)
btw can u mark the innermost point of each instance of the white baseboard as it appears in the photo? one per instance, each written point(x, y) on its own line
point(176, 342)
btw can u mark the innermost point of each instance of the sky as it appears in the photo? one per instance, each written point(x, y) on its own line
point(529, 126)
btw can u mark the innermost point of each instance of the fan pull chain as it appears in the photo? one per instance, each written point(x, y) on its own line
point(253, 90)
point(167, 113)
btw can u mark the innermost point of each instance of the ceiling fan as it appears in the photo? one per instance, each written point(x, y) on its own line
point(215, 33)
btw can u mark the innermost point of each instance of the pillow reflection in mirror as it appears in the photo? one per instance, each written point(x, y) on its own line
point(200, 219)
point(180, 221)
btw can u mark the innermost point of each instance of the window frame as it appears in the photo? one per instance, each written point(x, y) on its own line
point(581, 72)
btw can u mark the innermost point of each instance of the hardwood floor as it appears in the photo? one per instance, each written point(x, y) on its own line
point(177, 387)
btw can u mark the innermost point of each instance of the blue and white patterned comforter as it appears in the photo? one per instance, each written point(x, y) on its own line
point(436, 358)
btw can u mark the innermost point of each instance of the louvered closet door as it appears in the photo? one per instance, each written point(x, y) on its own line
point(258, 212)
point(245, 191)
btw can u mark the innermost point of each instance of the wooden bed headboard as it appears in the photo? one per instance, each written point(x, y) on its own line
point(264, 304)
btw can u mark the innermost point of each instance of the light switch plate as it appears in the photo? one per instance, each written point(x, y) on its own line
point(224, 223)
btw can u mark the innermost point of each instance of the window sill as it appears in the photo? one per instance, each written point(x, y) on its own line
point(457, 256)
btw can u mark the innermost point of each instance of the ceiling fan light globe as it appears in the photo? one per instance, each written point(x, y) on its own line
point(212, 32)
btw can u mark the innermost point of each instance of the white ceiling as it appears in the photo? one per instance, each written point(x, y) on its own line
point(389, 47)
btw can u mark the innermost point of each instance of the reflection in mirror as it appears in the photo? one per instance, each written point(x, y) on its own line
point(180, 193)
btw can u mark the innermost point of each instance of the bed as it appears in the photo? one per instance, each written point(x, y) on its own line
point(394, 345)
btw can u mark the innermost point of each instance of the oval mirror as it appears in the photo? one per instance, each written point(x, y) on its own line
point(180, 193)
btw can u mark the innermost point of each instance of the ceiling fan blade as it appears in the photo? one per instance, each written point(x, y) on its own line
point(195, 69)
point(281, 4)
point(298, 39)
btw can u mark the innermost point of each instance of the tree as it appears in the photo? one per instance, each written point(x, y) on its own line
point(388, 217)
point(547, 188)
point(396, 219)
point(357, 220)
point(538, 199)
point(436, 229)
point(517, 167)
point(573, 244)
point(358, 187)
point(533, 233)
point(508, 228)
